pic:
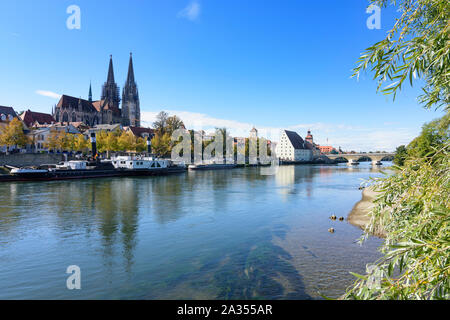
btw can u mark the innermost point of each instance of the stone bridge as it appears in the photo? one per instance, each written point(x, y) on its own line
point(353, 158)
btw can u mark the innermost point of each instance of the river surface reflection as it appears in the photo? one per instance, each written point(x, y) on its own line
point(233, 234)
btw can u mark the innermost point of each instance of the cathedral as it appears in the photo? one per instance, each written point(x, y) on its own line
point(107, 110)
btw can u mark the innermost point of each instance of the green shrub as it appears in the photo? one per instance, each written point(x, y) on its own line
point(414, 210)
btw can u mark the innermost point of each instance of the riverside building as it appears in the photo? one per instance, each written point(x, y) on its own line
point(293, 148)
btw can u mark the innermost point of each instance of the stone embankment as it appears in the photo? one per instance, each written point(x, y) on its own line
point(30, 159)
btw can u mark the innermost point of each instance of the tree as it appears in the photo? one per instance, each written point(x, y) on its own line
point(413, 209)
point(160, 124)
point(416, 47)
point(141, 145)
point(334, 151)
point(66, 140)
point(112, 143)
point(126, 142)
point(433, 136)
point(173, 123)
point(71, 142)
point(263, 142)
point(247, 148)
point(60, 140)
point(225, 135)
point(108, 141)
point(13, 135)
point(254, 144)
point(119, 141)
point(413, 206)
point(100, 138)
point(161, 144)
point(63, 140)
point(400, 155)
point(81, 143)
point(164, 128)
point(52, 140)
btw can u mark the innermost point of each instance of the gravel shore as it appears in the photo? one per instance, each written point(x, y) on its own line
point(359, 216)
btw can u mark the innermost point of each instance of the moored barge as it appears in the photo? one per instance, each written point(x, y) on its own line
point(124, 166)
point(213, 166)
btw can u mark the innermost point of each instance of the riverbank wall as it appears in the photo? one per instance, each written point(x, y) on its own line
point(30, 159)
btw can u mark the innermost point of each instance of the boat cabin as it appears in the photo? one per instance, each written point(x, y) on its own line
point(127, 162)
point(72, 165)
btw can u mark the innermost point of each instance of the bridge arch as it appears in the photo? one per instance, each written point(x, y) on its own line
point(353, 158)
point(344, 159)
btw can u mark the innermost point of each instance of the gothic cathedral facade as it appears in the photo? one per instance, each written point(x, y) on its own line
point(107, 110)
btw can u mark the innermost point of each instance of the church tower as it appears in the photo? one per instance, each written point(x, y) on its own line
point(131, 112)
point(310, 138)
point(90, 92)
point(254, 133)
point(110, 91)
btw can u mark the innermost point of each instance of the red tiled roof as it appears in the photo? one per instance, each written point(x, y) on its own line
point(30, 117)
point(106, 106)
point(97, 104)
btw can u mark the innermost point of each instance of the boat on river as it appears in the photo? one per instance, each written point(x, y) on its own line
point(148, 165)
point(140, 165)
point(212, 166)
point(63, 171)
point(122, 166)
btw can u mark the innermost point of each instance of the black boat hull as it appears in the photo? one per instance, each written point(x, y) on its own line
point(83, 174)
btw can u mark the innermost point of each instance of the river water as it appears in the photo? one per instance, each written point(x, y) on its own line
point(231, 234)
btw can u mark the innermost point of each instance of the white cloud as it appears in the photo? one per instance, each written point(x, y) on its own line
point(200, 121)
point(373, 139)
point(49, 94)
point(191, 12)
point(336, 134)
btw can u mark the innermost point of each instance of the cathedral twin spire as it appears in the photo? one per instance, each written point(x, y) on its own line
point(130, 96)
point(131, 112)
point(110, 91)
point(130, 76)
point(110, 71)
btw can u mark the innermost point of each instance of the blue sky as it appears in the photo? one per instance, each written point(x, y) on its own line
point(236, 63)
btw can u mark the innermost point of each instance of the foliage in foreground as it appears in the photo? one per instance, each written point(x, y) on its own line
point(414, 210)
point(417, 47)
point(413, 206)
